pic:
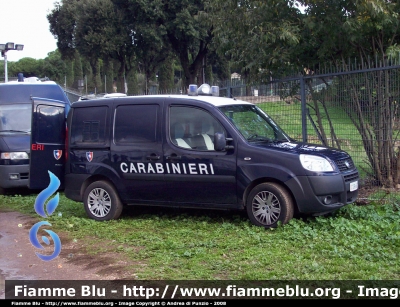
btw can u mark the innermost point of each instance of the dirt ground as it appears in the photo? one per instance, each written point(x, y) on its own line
point(18, 259)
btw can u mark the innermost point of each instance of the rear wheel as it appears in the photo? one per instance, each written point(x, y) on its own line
point(102, 202)
point(269, 204)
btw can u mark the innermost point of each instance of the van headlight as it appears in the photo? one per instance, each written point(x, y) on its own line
point(14, 155)
point(315, 163)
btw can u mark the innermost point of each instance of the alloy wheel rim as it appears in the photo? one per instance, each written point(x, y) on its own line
point(266, 208)
point(99, 202)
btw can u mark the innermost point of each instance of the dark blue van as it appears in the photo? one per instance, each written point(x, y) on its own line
point(198, 151)
point(16, 100)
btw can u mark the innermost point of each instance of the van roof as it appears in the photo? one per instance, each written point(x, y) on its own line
point(20, 92)
point(215, 101)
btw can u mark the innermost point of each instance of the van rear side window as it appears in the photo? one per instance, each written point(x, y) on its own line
point(88, 126)
point(135, 124)
point(91, 131)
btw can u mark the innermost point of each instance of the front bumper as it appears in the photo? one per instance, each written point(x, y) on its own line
point(319, 195)
point(14, 176)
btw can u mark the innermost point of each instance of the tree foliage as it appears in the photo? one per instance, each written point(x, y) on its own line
point(341, 29)
point(368, 31)
point(268, 37)
point(131, 31)
point(148, 37)
point(260, 39)
point(95, 29)
point(53, 67)
point(258, 36)
point(62, 24)
point(164, 27)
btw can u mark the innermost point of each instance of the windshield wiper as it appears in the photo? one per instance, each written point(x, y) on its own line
point(23, 131)
point(256, 138)
point(259, 138)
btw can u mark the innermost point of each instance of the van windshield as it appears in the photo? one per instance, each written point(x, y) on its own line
point(254, 124)
point(15, 117)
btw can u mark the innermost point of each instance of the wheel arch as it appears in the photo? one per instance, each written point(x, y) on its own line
point(265, 180)
point(95, 178)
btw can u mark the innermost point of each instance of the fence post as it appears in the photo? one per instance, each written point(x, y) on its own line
point(228, 89)
point(303, 109)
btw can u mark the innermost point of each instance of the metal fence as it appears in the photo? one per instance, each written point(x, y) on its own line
point(353, 107)
point(354, 110)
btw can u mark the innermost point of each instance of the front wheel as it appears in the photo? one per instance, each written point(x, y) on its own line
point(102, 202)
point(269, 204)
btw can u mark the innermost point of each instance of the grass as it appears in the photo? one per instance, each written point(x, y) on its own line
point(357, 243)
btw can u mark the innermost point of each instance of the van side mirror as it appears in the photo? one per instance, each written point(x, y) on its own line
point(220, 142)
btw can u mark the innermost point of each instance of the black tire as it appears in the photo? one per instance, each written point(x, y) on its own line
point(269, 204)
point(102, 202)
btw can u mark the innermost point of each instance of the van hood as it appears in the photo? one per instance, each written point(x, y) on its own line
point(305, 148)
point(15, 142)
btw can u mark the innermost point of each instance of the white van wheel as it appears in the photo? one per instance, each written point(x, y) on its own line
point(269, 204)
point(102, 202)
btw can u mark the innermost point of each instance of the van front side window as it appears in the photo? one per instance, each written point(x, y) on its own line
point(193, 128)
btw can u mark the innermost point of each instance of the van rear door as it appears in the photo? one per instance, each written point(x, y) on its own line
point(48, 132)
